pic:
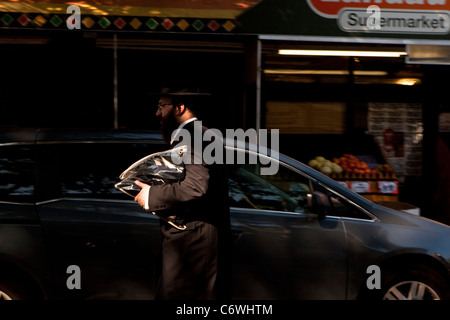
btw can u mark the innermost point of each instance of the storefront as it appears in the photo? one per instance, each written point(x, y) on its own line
point(339, 78)
point(94, 65)
point(95, 70)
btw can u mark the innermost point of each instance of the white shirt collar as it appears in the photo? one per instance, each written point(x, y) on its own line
point(177, 131)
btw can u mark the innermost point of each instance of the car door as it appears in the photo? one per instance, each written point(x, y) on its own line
point(281, 250)
point(100, 243)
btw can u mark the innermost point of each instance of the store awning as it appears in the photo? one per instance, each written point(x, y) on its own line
point(174, 8)
point(197, 16)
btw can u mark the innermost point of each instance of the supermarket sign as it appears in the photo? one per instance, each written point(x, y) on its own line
point(387, 16)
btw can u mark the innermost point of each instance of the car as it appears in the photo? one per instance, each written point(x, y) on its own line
point(67, 233)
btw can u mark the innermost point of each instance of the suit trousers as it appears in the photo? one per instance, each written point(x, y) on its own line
point(189, 262)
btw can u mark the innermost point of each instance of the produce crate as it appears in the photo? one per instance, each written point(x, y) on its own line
point(363, 168)
point(374, 187)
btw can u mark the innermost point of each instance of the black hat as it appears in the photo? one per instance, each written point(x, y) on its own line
point(194, 100)
point(185, 92)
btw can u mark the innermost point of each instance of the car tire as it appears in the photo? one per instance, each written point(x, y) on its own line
point(412, 282)
point(14, 289)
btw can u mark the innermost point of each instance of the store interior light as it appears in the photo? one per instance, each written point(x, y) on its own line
point(408, 81)
point(343, 53)
point(326, 72)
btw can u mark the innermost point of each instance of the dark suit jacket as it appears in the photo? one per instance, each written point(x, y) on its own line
point(195, 262)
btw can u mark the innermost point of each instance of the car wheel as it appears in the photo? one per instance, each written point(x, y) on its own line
point(4, 296)
point(414, 283)
point(411, 290)
point(14, 290)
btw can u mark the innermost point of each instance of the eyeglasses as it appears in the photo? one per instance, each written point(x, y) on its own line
point(163, 105)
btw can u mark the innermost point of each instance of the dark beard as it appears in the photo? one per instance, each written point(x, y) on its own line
point(168, 126)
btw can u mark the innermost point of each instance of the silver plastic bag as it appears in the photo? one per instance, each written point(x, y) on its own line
point(157, 168)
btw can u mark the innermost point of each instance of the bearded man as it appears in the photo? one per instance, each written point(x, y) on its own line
point(195, 262)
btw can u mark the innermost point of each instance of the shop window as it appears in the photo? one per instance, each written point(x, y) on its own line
point(16, 173)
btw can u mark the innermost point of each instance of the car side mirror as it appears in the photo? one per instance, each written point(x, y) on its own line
point(319, 203)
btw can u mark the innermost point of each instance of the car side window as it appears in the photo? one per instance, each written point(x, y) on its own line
point(345, 209)
point(88, 169)
point(16, 173)
point(284, 191)
point(341, 207)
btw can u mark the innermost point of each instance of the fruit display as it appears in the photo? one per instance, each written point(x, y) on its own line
point(348, 166)
point(325, 166)
point(354, 161)
point(376, 182)
point(385, 169)
point(352, 164)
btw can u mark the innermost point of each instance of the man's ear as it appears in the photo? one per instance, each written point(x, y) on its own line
point(181, 109)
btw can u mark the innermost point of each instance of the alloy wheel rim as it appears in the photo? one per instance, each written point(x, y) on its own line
point(411, 290)
point(4, 296)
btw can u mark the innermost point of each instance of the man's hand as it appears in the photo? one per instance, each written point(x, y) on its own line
point(142, 197)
